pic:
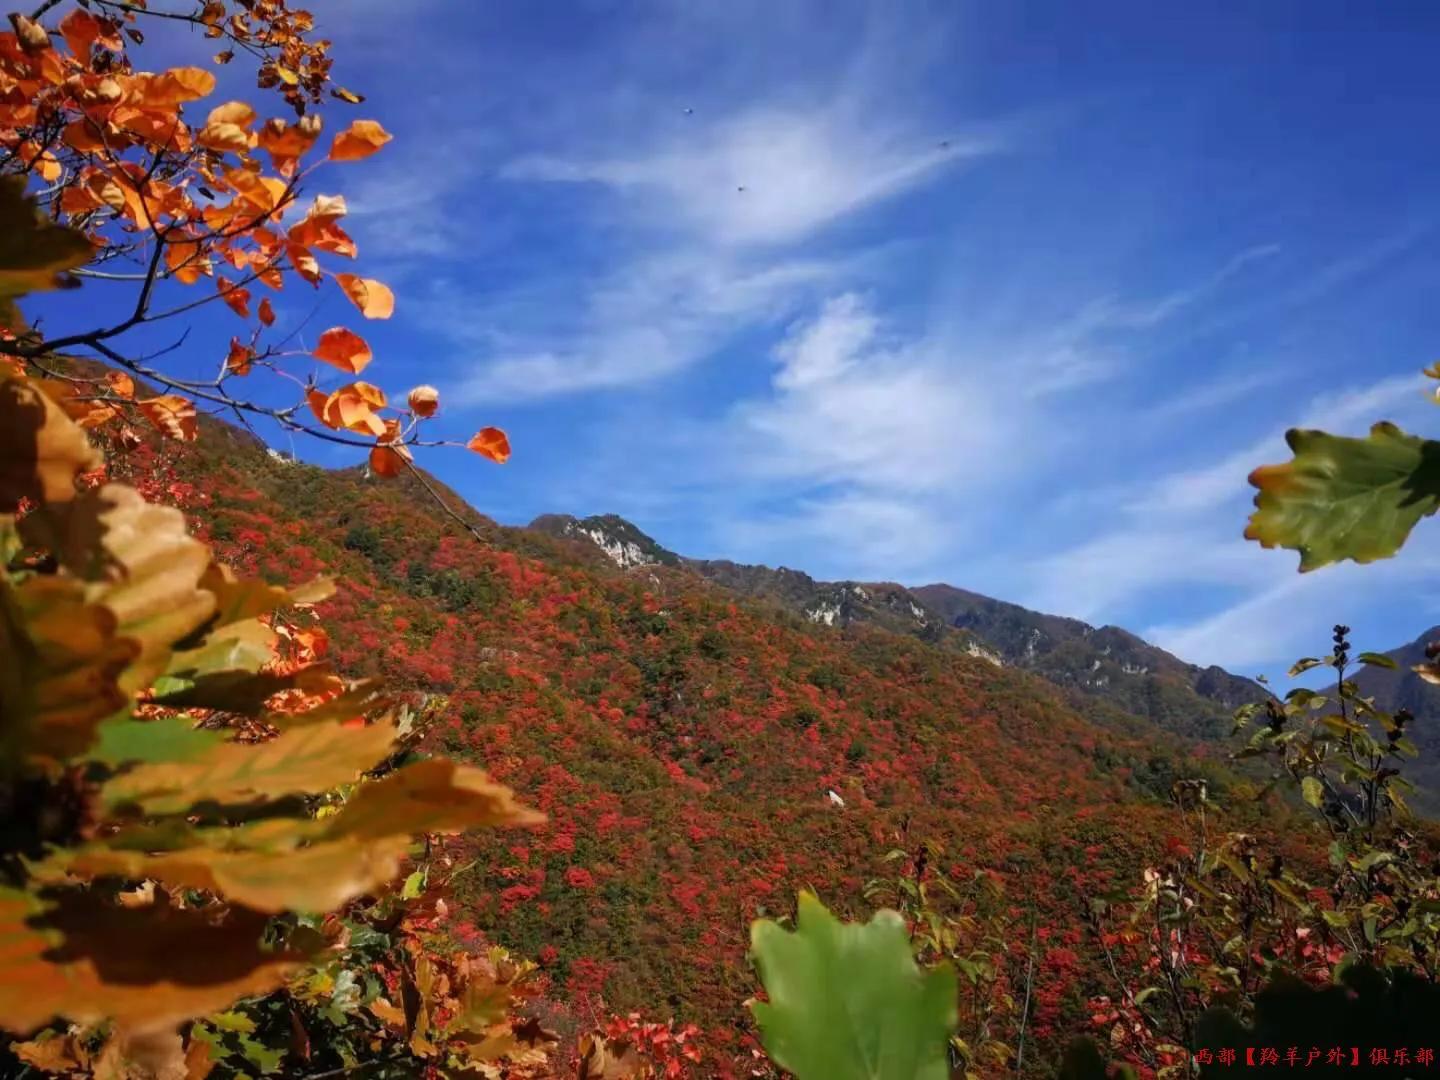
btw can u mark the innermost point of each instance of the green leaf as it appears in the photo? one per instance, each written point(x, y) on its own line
point(1375, 659)
point(307, 759)
point(1309, 662)
point(414, 885)
point(847, 1001)
point(1313, 791)
point(123, 740)
point(1344, 498)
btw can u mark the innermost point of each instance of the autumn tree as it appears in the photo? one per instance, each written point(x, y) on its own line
point(175, 203)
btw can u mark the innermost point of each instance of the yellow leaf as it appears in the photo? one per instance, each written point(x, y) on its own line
point(41, 449)
point(306, 759)
point(33, 252)
point(70, 954)
point(429, 796)
point(315, 878)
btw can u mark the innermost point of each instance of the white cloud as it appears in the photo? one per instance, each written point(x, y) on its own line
point(1184, 529)
point(1291, 618)
point(849, 408)
point(766, 175)
point(653, 317)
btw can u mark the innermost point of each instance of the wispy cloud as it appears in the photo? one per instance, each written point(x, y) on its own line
point(1182, 530)
point(767, 176)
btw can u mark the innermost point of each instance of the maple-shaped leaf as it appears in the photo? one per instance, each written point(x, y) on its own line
point(848, 1002)
point(34, 252)
point(1345, 498)
point(69, 953)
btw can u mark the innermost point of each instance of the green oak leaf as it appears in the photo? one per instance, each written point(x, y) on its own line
point(1344, 498)
point(847, 1001)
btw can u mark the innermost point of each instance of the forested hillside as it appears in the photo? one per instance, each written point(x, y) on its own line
point(683, 741)
point(1098, 667)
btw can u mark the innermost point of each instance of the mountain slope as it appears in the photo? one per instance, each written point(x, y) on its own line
point(1108, 664)
point(683, 741)
point(1403, 689)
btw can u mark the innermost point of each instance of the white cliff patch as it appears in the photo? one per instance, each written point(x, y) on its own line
point(623, 553)
point(824, 613)
point(974, 648)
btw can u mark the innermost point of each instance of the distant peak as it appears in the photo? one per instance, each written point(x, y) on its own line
point(622, 542)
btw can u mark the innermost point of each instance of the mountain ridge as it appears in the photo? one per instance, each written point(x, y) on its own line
point(1108, 662)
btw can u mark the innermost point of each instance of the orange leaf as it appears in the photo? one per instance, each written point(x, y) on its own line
point(304, 263)
point(286, 143)
point(226, 128)
point(352, 408)
point(319, 228)
point(80, 29)
point(120, 384)
point(317, 401)
point(361, 139)
point(240, 358)
point(343, 349)
point(237, 298)
point(424, 400)
point(174, 87)
point(145, 968)
point(373, 298)
point(185, 259)
point(174, 416)
point(491, 442)
point(266, 313)
point(388, 458)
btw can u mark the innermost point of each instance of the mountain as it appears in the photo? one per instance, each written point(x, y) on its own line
point(836, 604)
point(1403, 689)
point(1107, 664)
point(683, 738)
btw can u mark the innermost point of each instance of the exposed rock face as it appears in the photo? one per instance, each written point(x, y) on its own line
point(624, 544)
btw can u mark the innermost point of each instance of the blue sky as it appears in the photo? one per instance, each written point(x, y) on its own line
point(1014, 296)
